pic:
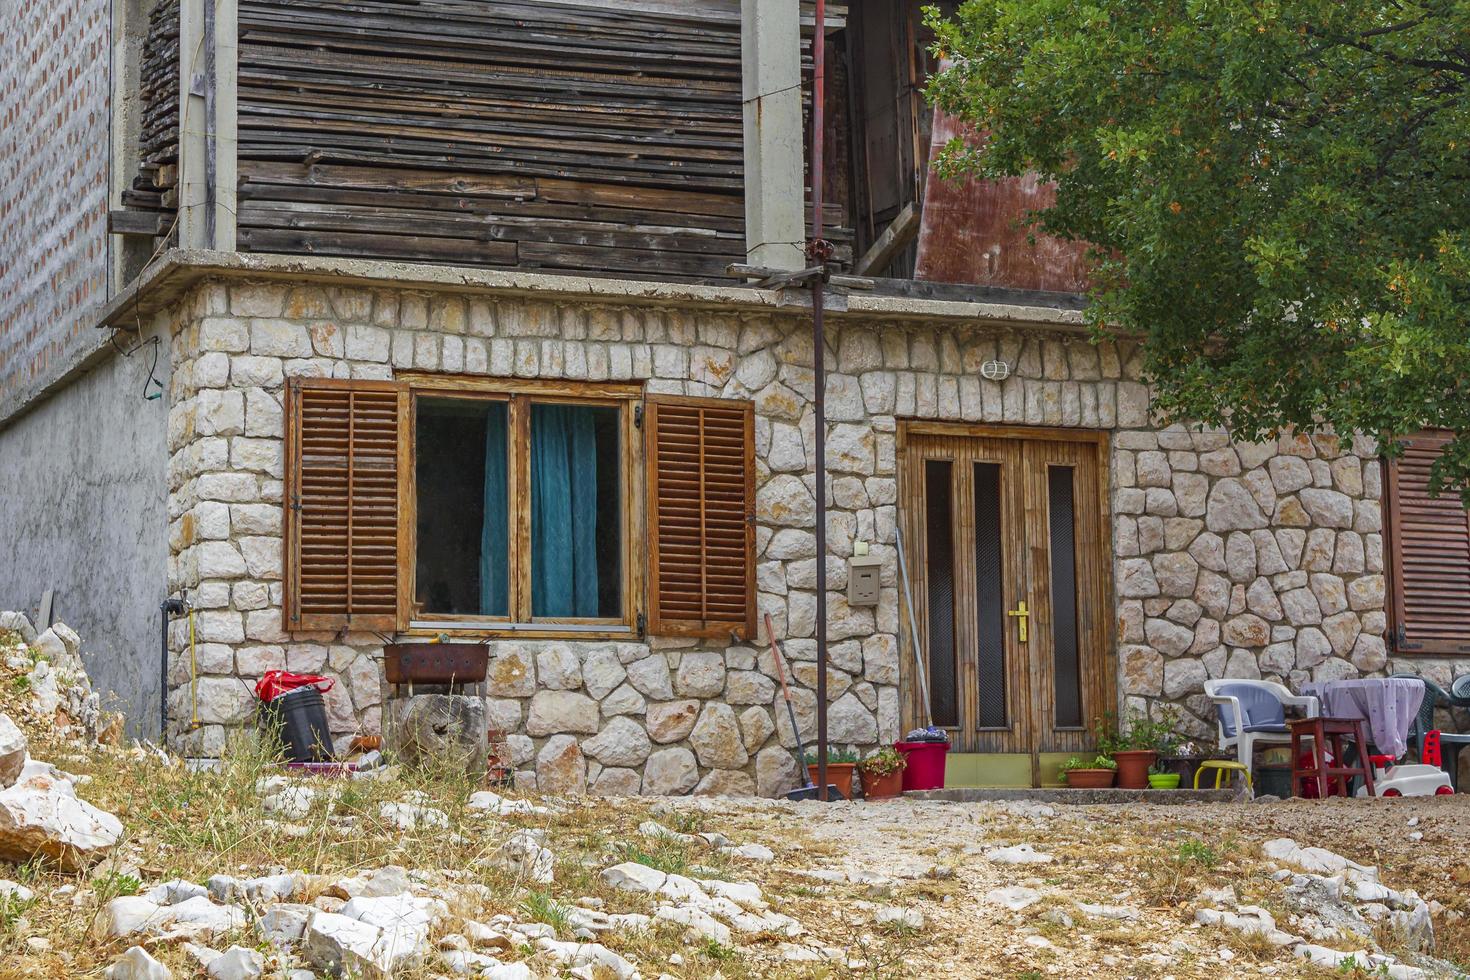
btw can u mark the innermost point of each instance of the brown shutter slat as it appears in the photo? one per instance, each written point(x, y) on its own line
point(1430, 549)
point(342, 504)
point(701, 516)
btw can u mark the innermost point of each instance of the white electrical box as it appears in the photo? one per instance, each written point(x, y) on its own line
point(863, 574)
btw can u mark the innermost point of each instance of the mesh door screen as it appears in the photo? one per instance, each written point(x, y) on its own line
point(989, 600)
point(1062, 524)
point(939, 540)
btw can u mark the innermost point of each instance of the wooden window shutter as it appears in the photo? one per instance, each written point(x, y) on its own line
point(701, 516)
point(342, 500)
point(1429, 545)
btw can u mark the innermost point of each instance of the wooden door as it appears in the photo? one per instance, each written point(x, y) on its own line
point(1007, 558)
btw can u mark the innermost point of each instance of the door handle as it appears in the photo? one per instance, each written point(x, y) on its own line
point(1022, 615)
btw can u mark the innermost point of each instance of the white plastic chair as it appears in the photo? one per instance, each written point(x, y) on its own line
point(1234, 722)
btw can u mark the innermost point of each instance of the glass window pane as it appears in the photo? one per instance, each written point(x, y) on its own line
point(989, 602)
point(939, 569)
point(1064, 597)
point(460, 475)
point(576, 513)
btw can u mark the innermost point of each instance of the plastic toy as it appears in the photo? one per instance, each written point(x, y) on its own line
point(1415, 779)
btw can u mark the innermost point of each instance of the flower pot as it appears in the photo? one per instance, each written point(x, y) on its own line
point(839, 774)
point(1090, 778)
point(1163, 780)
point(1133, 767)
point(884, 787)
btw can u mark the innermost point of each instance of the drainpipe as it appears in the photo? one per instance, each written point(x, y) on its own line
point(166, 609)
point(818, 252)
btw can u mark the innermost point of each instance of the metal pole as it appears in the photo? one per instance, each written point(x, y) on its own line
point(819, 371)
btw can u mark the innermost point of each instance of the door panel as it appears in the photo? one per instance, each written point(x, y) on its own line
point(993, 519)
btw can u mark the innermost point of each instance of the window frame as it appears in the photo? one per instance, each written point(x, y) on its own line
point(519, 394)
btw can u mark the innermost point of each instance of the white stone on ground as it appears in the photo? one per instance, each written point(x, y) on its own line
point(237, 963)
point(136, 964)
point(1013, 897)
point(1019, 854)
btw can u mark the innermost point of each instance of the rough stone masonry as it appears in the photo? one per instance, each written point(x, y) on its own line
point(1230, 560)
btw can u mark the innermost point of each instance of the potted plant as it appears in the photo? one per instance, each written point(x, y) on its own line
point(1160, 778)
point(882, 774)
point(1098, 774)
point(840, 766)
point(1137, 745)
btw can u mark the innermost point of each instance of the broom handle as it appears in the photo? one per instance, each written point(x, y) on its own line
point(777, 656)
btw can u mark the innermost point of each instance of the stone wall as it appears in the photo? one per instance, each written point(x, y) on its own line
point(1230, 560)
point(53, 190)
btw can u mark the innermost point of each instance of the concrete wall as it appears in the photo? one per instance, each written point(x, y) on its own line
point(82, 512)
point(54, 83)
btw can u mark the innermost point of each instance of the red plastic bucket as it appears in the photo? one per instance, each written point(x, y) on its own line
point(925, 769)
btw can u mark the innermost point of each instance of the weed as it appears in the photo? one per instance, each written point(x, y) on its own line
point(668, 856)
point(715, 950)
point(11, 910)
point(541, 907)
point(1197, 852)
point(114, 884)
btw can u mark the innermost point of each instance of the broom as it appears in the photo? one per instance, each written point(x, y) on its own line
point(810, 791)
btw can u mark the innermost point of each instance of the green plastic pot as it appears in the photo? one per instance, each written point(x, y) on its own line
point(1163, 780)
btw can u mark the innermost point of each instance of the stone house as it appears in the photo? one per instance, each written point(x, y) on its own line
point(340, 374)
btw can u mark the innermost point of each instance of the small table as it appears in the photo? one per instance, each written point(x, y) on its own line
point(1320, 731)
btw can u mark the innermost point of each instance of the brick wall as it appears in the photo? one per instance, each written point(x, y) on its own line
point(54, 92)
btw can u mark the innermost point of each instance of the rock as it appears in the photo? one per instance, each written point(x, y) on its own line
point(339, 944)
point(716, 738)
point(602, 673)
point(285, 923)
point(237, 963)
point(201, 917)
point(524, 855)
point(1013, 897)
point(176, 891)
point(1183, 677)
point(561, 769)
point(1176, 573)
point(892, 915)
point(129, 914)
point(430, 728)
point(289, 802)
point(1019, 854)
point(136, 964)
point(12, 752)
point(41, 815)
point(633, 877)
point(410, 816)
point(402, 923)
point(1142, 670)
point(670, 772)
point(671, 721)
point(850, 722)
point(558, 668)
point(1327, 508)
point(1136, 579)
point(15, 622)
point(1247, 631)
point(1166, 637)
point(553, 712)
point(622, 742)
point(1232, 507)
point(776, 771)
point(725, 782)
point(701, 675)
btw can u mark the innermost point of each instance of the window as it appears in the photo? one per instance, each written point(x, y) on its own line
point(486, 506)
point(1429, 555)
point(520, 496)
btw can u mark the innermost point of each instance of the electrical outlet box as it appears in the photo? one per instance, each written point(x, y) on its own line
point(863, 574)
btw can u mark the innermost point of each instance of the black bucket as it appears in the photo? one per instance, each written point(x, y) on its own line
point(298, 719)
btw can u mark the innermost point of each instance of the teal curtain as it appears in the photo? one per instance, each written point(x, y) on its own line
point(563, 511)
point(495, 530)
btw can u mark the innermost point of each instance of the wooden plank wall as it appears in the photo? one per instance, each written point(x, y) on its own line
point(153, 188)
point(558, 135)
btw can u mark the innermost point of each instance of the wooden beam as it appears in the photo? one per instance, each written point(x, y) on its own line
point(895, 238)
point(151, 223)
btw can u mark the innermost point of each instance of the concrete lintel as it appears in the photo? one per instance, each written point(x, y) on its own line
point(775, 209)
point(178, 270)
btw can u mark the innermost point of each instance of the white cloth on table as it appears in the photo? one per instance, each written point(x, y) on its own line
point(1388, 704)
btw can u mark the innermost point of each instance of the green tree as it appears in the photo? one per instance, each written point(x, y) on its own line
point(1277, 191)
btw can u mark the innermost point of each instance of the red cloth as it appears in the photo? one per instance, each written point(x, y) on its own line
point(278, 682)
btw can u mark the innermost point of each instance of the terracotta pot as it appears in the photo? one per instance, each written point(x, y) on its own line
point(884, 787)
point(839, 774)
point(1133, 767)
point(1090, 778)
